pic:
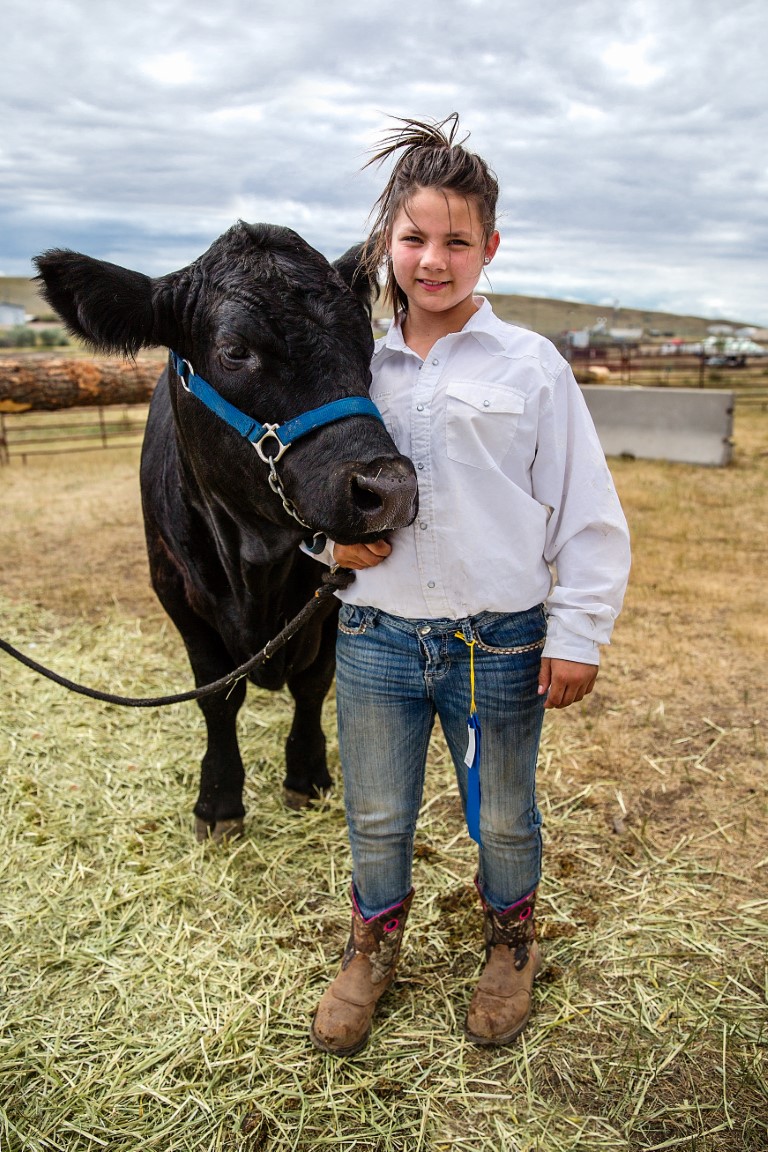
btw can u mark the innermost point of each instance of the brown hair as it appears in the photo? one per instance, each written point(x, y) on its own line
point(430, 159)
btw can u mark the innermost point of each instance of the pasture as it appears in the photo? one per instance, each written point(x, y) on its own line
point(156, 994)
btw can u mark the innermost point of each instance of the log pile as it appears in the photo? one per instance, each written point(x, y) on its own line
point(46, 384)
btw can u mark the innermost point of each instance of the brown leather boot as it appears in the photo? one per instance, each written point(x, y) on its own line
point(342, 1022)
point(501, 1004)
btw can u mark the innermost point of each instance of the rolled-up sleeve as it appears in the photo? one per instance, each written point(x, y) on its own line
point(587, 538)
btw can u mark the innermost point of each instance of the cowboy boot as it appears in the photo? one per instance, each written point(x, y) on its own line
point(342, 1022)
point(501, 1004)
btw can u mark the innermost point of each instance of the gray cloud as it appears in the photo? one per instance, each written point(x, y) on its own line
point(628, 141)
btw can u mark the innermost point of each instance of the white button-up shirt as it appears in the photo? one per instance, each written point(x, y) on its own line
point(516, 503)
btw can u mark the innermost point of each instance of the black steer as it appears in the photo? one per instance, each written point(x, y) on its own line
point(276, 331)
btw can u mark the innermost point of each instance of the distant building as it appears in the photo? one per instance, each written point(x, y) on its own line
point(11, 315)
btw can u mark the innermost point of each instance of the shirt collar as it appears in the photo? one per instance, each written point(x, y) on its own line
point(483, 324)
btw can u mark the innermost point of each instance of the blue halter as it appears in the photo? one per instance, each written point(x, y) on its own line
point(256, 433)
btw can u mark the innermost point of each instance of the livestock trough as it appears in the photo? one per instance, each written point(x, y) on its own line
point(687, 425)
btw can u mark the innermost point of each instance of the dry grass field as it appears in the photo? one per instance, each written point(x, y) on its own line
point(155, 994)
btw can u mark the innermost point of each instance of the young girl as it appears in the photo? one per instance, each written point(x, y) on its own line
point(497, 595)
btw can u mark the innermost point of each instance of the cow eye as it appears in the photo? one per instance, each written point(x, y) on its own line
point(234, 354)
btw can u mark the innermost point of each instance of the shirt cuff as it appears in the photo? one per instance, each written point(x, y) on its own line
point(562, 644)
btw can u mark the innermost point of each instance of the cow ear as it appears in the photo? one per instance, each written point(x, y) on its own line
point(111, 308)
point(356, 270)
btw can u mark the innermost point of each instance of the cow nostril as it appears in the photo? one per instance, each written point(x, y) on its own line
point(365, 496)
point(385, 493)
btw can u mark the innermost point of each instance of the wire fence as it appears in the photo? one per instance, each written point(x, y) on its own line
point(27, 434)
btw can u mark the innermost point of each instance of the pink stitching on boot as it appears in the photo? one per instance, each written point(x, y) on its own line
point(370, 919)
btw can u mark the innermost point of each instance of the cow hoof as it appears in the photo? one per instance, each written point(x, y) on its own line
point(219, 832)
point(297, 800)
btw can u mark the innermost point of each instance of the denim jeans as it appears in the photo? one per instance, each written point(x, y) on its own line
point(393, 677)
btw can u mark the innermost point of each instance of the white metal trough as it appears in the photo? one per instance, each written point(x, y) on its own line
point(689, 425)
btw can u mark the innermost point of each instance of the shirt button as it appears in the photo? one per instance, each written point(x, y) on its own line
point(419, 407)
point(423, 525)
point(486, 403)
point(435, 361)
point(420, 467)
point(424, 630)
point(430, 584)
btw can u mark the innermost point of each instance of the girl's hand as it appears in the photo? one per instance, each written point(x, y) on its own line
point(359, 556)
point(565, 681)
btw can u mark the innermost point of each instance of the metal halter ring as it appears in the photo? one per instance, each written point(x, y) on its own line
point(270, 430)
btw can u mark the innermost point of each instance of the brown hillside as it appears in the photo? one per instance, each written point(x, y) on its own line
point(552, 317)
point(23, 291)
point(539, 313)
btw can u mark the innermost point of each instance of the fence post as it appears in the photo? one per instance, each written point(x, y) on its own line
point(4, 456)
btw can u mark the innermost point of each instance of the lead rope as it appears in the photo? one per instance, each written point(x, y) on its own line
point(335, 578)
point(472, 755)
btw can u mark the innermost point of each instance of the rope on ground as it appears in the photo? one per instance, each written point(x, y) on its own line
point(335, 578)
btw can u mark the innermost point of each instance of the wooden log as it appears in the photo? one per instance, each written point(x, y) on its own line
point(45, 383)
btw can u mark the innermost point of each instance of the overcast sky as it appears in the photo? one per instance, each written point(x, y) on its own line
point(630, 139)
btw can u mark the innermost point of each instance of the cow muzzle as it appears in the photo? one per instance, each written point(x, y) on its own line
point(385, 494)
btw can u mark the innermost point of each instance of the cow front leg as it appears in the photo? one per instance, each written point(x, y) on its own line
point(306, 769)
point(219, 810)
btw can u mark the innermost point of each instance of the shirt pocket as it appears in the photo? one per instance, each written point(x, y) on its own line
point(481, 421)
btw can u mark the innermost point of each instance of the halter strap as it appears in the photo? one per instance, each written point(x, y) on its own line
point(251, 430)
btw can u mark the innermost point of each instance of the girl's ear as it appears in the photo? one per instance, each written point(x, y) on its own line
point(492, 247)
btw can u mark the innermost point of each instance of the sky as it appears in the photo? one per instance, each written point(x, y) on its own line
point(630, 139)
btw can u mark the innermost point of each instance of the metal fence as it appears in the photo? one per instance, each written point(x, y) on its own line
point(26, 434)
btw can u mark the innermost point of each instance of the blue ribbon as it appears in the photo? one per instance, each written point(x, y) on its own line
point(473, 778)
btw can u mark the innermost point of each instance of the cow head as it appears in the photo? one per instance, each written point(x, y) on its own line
point(277, 331)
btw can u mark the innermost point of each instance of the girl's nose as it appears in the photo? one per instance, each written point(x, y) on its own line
point(433, 256)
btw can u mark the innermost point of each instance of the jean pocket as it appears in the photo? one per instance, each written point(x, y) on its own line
point(512, 633)
point(353, 620)
point(481, 421)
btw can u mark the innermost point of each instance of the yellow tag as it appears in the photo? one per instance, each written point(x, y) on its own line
point(471, 645)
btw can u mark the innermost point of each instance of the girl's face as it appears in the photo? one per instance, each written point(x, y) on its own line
point(438, 251)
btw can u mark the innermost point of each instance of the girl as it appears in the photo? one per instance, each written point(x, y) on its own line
point(499, 593)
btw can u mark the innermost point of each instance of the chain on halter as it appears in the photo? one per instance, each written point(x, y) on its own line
point(277, 488)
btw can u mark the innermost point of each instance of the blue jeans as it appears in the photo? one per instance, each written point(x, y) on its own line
point(393, 677)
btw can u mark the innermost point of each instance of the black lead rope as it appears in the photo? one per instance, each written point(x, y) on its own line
point(336, 578)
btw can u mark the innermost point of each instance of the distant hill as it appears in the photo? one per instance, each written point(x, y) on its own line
point(20, 290)
point(550, 317)
point(553, 317)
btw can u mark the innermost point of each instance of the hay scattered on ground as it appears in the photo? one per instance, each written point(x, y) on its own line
point(156, 994)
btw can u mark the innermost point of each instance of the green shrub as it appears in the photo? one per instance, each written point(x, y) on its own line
point(53, 338)
point(18, 337)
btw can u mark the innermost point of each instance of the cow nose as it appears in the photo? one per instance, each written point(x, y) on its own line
point(386, 493)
